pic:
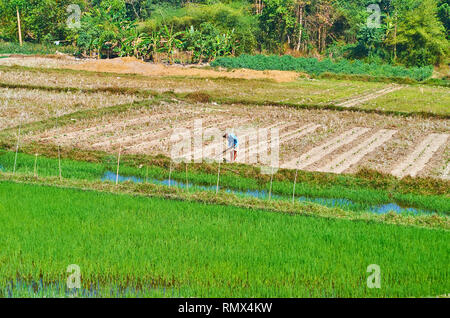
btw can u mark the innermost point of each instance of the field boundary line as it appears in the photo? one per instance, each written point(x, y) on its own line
point(228, 101)
point(370, 96)
point(432, 222)
point(353, 156)
point(325, 149)
point(417, 160)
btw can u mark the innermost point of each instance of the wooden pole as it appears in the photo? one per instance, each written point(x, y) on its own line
point(170, 171)
point(59, 163)
point(118, 158)
point(118, 165)
point(270, 191)
point(218, 178)
point(17, 149)
point(35, 165)
point(19, 26)
point(295, 181)
point(187, 181)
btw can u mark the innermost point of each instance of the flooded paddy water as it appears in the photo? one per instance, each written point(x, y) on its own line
point(342, 203)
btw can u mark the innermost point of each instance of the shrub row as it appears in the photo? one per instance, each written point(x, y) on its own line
point(315, 67)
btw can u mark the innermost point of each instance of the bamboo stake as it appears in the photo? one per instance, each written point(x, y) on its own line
point(19, 26)
point(187, 181)
point(170, 171)
point(118, 165)
point(270, 191)
point(35, 165)
point(17, 149)
point(118, 158)
point(59, 163)
point(295, 181)
point(218, 178)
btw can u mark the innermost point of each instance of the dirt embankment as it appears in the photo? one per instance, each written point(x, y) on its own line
point(135, 66)
point(131, 65)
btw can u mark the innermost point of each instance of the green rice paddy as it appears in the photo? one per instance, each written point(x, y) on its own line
point(191, 249)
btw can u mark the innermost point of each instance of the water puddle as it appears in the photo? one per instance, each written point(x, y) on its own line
point(342, 203)
point(59, 289)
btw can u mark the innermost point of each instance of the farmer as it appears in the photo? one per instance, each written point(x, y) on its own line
point(233, 144)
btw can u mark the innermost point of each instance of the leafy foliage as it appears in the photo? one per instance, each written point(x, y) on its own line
point(412, 32)
point(316, 67)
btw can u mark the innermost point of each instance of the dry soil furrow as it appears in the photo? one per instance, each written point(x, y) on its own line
point(321, 151)
point(85, 133)
point(149, 144)
point(245, 152)
point(417, 160)
point(255, 149)
point(446, 174)
point(124, 141)
point(365, 98)
point(353, 156)
point(218, 147)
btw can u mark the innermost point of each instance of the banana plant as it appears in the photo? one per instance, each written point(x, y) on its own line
point(171, 41)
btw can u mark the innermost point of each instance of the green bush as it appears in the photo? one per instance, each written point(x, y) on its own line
point(226, 18)
point(315, 67)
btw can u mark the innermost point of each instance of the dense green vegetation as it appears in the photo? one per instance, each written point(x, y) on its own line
point(316, 67)
point(193, 249)
point(362, 196)
point(30, 48)
point(408, 32)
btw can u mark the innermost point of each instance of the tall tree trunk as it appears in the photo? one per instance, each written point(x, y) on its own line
point(324, 38)
point(19, 26)
point(319, 42)
point(300, 29)
point(395, 38)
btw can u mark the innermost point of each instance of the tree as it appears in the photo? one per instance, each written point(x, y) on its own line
point(421, 37)
point(444, 15)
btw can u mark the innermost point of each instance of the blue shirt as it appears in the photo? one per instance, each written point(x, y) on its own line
point(232, 140)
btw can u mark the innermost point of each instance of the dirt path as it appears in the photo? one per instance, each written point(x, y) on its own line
point(365, 98)
point(353, 156)
point(417, 160)
point(319, 152)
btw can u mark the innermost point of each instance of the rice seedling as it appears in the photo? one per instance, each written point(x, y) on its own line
point(122, 241)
